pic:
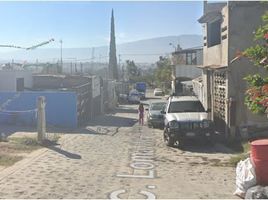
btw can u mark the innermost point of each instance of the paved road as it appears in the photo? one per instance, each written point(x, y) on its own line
point(116, 158)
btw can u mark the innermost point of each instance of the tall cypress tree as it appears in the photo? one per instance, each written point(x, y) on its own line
point(113, 71)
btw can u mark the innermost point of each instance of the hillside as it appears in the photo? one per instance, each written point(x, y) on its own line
point(142, 51)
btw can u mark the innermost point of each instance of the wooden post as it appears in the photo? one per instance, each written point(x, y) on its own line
point(41, 119)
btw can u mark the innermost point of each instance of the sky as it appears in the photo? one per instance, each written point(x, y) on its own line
point(87, 24)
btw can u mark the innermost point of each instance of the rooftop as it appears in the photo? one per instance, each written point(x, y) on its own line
point(189, 50)
point(211, 12)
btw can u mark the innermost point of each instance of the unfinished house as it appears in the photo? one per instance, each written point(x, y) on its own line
point(184, 67)
point(229, 27)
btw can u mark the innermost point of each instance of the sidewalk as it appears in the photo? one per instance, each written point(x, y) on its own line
point(81, 166)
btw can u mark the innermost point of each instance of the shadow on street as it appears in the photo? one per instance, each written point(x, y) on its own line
point(205, 147)
point(124, 110)
point(111, 120)
point(65, 153)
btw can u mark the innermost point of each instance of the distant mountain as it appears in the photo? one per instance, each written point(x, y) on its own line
point(142, 51)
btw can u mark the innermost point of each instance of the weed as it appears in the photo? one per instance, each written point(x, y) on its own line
point(8, 160)
point(244, 154)
point(235, 159)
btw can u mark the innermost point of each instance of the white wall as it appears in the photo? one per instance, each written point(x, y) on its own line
point(8, 80)
point(190, 71)
point(95, 86)
point(198, 89)
point(199, 57)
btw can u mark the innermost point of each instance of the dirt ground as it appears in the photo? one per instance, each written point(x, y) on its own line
point(124, 161)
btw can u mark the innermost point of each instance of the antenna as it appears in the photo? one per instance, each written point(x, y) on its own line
point(92, 56)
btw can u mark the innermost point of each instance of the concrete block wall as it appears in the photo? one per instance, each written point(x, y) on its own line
point(61, 108)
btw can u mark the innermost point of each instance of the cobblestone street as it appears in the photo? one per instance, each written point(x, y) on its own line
point(117, 158)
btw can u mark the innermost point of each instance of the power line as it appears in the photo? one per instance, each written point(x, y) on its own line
point(145, 54)
point(12, 46)
point(27, 48)
point(41, 44)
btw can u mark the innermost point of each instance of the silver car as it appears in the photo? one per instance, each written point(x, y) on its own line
point(158, 92)
point(155, 117)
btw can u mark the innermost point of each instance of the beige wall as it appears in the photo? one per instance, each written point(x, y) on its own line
point(218, 54)
point(190, 71)
point(245, 18)
point(212, 55)
point(224, 44)
point(199, 57)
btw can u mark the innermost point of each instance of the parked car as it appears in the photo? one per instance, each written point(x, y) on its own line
point(158, 92)
point(142, 95)
point(123, 98)
point(186, 118)
point(141, 88)
point(134, 97)
point(155, 117)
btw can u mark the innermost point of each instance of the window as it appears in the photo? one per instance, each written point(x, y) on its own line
point(214, 33)
point(186, 106)
point(191, 59)
point(157, 106)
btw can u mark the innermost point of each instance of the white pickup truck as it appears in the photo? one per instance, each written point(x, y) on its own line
point(185, 118)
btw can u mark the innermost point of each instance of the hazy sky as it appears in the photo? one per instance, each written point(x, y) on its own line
point(87, 24)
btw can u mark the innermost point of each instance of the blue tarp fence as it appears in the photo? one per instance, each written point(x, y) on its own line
point(21, 108)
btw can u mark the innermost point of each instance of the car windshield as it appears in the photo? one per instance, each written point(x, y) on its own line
point(157, 106)
point(186, 106)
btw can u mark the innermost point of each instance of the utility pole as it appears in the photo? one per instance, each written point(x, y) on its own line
point(119, 67)
point(81, 67)
point(123, 72)
point(99, 58)
point(61, 63)
point(41, 119)
point(71, 68)
point(92, 57)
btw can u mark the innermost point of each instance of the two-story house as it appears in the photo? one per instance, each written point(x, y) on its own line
point(228, 27)
point(185, 64)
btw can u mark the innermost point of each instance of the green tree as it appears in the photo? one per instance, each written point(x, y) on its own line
point(113, 71)
point(132, 68)
point(133, 71)
point(163, 73)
